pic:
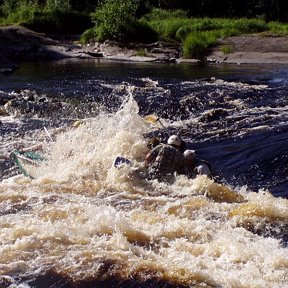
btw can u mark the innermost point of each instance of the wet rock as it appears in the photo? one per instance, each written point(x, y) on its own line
point(27, 103)
point(3, 112)
point(95, 54)
point(6, 281)
point(5, 97)
point(214, 114)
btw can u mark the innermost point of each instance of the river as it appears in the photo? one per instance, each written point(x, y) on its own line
point(84, 223)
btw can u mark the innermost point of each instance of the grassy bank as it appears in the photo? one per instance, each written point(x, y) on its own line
point(120, 21)
point(198, 35)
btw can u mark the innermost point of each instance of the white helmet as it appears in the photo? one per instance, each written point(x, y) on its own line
point(174, 140)
point(189, 154)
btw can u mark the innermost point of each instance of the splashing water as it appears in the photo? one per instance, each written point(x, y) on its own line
point(84, 221)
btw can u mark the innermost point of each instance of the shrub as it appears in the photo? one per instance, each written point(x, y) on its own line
point(112, 17)
point(18, 12)
point(88, 35)
point(116, 20)
point(58, 5)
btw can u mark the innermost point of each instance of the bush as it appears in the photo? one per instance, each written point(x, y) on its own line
point(116, 20)
point(88, 35)
point(112, 17)
point(18, 12)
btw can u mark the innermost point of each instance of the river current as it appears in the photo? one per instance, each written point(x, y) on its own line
point(84, 223)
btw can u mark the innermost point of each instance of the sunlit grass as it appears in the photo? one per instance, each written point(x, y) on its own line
point(198, 35)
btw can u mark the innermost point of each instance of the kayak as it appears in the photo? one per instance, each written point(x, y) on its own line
point(26, 160)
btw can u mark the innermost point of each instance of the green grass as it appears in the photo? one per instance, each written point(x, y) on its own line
point(226, 49)
point(196, 44)
point(142, 53)
point(198, 35)
point(277, 28)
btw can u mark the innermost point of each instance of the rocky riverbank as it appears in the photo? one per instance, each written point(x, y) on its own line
point(19, 44)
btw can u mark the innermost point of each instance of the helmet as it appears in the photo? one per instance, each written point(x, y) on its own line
point(174, 140)
point(189, 154)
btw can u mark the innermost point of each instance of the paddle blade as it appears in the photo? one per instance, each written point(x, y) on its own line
point(155, 120)
point(23, 160)
point(151, 118)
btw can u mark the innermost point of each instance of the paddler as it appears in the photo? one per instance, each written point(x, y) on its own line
point(194, 166)
point(165, 160)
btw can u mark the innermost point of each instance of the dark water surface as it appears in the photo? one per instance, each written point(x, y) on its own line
point(39, 74)
point(184, 92)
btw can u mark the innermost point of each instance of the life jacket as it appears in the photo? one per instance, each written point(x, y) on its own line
point(168, 160)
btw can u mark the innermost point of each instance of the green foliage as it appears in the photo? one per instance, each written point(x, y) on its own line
point(161, 14)
point(226, 49)
point(116, 20)
point(58, 5)
point(278, 28)
point(197, 35)
point(250, 25)
point(55, 17)
point(19, 12)
point(112, 17)
point(142, 53)
point(197, 44)
point(119, 20)
point(88, 35)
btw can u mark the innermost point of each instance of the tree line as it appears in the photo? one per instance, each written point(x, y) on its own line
point(268, 10)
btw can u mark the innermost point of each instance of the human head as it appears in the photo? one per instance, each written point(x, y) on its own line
point(189, 154)
point(174, 140)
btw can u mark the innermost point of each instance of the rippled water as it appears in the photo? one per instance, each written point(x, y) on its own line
point(84, 223)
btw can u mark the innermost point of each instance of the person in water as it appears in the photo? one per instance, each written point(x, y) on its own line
point(194, 166)
point(164, 160)
point(155, 141)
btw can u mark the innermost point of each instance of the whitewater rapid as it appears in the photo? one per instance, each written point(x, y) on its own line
point(83, 221)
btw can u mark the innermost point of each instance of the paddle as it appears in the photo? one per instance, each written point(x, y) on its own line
point(48, 134)
point(155, 120)
point(32, 158)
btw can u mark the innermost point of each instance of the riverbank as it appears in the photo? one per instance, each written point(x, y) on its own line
point(19, 44)
point(251, 49)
